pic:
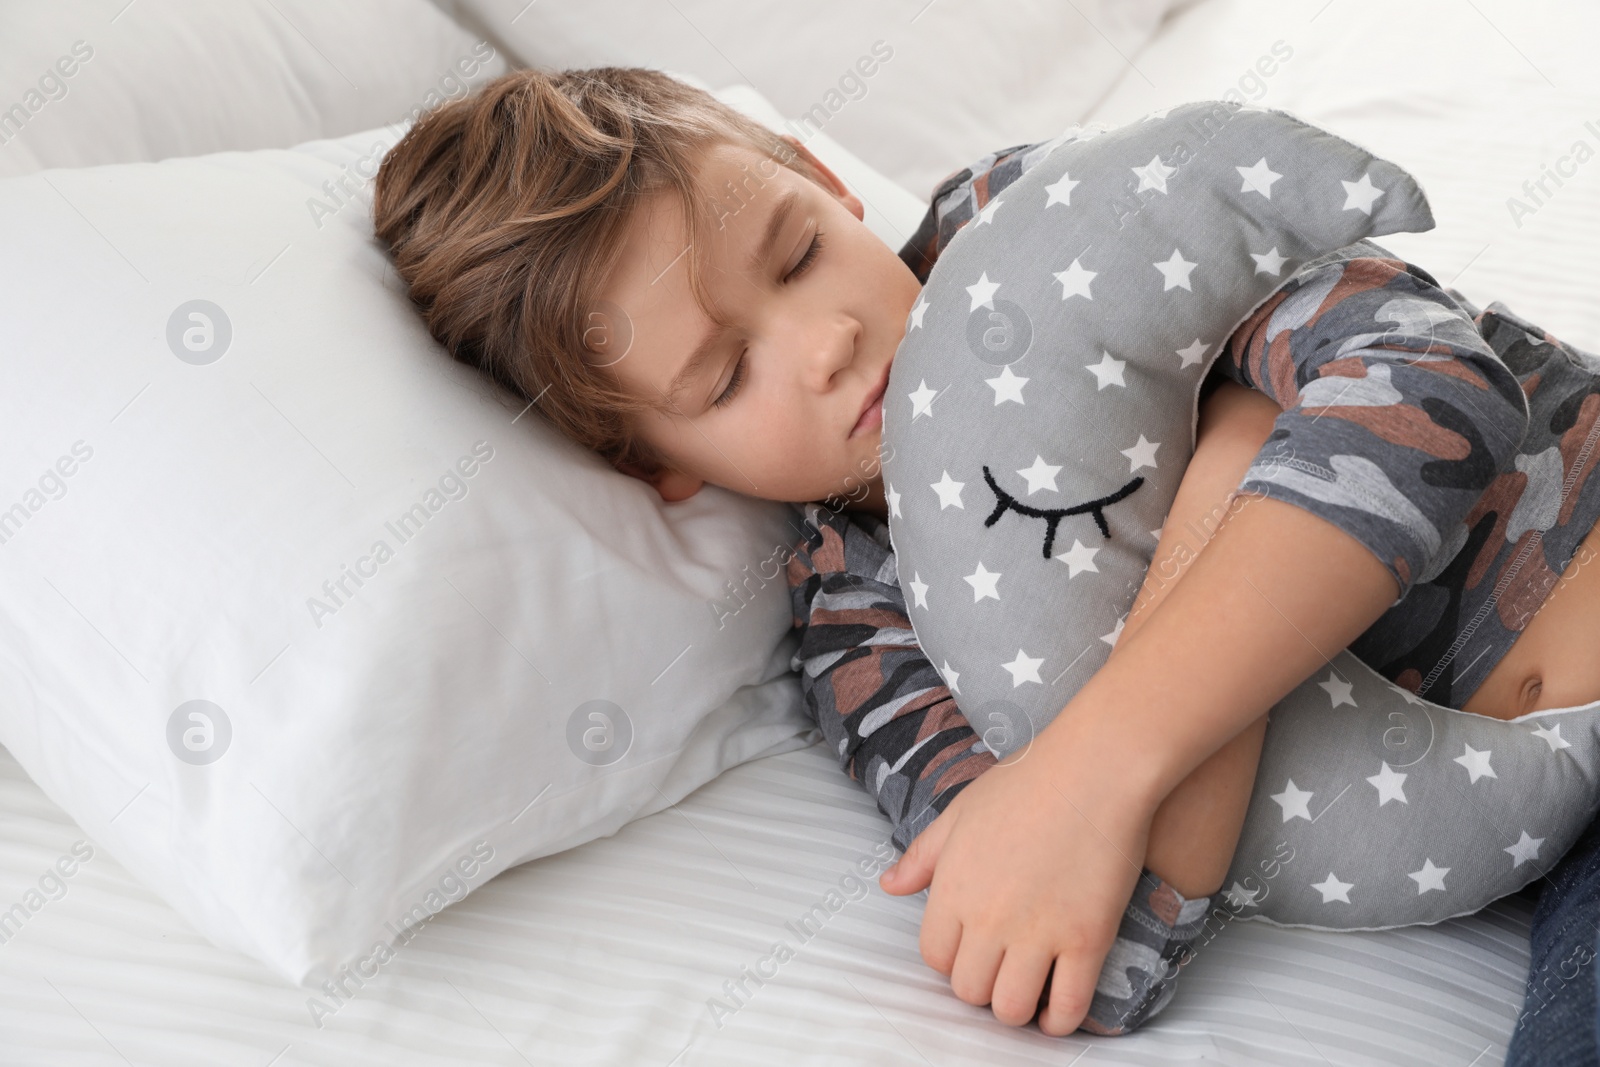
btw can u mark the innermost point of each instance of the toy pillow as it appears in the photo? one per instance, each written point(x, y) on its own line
point(1043, 410)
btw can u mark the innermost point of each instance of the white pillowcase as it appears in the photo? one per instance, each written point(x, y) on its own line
point(114, 81)
point(401, 590)
point(917, 91)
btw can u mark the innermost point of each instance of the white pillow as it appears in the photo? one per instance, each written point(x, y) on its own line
point(183, 531)
point(916, 91)
point(114, 81)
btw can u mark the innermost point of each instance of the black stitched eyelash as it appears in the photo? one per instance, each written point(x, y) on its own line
point(1053, 516)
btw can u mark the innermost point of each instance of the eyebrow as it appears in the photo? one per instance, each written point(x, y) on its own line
point(708, 346)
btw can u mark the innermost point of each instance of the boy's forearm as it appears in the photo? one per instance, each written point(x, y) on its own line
point(1277, 592)
point(1196, 830)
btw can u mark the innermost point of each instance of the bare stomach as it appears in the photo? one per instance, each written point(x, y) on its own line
point(1555, 661)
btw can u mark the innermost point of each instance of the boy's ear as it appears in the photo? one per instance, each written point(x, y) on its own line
point(831, 181)
point(673, 485)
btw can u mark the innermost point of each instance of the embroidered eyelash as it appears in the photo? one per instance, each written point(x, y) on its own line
point(1053, 516)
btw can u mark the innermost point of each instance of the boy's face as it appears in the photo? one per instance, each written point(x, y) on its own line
point(815, 328)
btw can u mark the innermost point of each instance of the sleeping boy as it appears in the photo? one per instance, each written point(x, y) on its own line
point(697, 299)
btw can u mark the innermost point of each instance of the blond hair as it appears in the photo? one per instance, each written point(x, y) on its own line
point(506, 209)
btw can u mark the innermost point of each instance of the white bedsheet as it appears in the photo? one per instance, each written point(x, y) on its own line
point(609, 954)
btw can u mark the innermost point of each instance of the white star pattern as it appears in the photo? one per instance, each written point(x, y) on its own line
point(1258, 179)
point(1526, 848)
point(917, 312)
point(1390, 785)
point(982, 292)
point(1332, 889)
point(1080, 557)
point(1359, 195)
point(1075, 281)
point(1061, 191)
point(1041, 475)
point(1007, 386)
point(1430, 877)
point(984, 583)
point(1175, 272)
point(1024, 669)
point(950, 677)
point(1009, 439)
point(1269, 262)
point(1154, 175)
point(1240, 897)
point(1476, 763)
point(949, 492)
point(1338, 690)
point(1193, 354)
point(1108, 370)
point(1142, 454)
point(1551, 735)
point(1294, 802)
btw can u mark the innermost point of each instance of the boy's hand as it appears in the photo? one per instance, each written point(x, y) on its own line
point(1032, 864)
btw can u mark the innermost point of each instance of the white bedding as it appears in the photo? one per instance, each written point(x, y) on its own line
point(609, 953)
point(1474, 99)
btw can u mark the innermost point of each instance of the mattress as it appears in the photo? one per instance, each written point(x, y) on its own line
point(630, 950)
point(638, 948)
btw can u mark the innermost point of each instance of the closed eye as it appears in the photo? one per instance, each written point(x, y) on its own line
point(1004, 502)
point(733, 383)
point(812, 251)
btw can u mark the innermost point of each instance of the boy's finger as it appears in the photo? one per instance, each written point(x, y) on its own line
point(1072, 983)
point(1015, 998)
point(914, 872)
point(939, 942)
point(977, 963)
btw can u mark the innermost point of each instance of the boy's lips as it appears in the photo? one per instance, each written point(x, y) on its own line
point(872, 407)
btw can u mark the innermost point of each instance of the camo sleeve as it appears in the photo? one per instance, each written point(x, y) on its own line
point(883, 708)
point(1397, 414)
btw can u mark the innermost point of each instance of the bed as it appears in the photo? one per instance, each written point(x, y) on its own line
point(639, 947)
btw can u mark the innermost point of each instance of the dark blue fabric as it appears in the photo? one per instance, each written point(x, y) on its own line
point(1559, 1025)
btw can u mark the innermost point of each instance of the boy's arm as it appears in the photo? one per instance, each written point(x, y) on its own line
point(1396, 416)
point(1032, 863)
point(1196, 829)
point(884, 710)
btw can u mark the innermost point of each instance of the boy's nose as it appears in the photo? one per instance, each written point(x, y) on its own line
point(835, 347)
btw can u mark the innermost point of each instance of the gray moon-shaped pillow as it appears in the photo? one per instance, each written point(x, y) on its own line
point(1042, 409)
